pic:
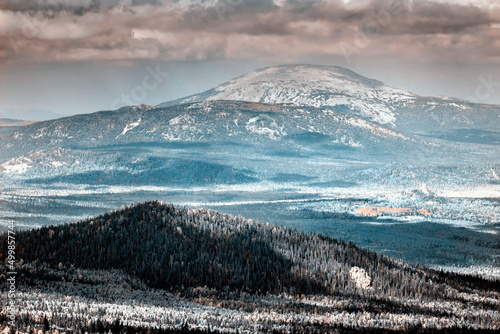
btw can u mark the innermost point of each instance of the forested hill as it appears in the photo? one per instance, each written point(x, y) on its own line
point(174, 248)
point(181, 250)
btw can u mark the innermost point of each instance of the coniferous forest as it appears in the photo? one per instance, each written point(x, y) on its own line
point(158, 268)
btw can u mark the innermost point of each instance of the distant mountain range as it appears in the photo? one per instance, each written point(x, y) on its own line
point(8, 125)
point(209, 121)
point(5, 122)
point(303, 102)
point(293, 110)
point(34, 115)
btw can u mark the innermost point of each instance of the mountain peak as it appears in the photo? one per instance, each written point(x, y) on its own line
point(310, 85)
point(313, 74)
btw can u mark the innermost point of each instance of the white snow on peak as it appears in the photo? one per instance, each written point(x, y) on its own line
point(313, 85)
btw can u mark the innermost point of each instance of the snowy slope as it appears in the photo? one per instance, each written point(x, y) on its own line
point(308, 85)
point(344, 90)
point(211, 121)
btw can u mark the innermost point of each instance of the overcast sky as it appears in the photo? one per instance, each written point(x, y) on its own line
point(63, 57)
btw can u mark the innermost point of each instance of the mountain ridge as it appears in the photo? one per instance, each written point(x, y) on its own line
point(206, 121)
point(338, 87)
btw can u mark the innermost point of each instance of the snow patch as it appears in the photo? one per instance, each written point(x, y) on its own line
point(17, 165)
point(265, 126)
point(129, 127)
point(183, 127)
point(57, 163)
point(375, 129)
point(360, 278)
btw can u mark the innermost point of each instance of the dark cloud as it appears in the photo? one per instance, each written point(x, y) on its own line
point(64, 30)
point(52, 7)
point(441, 18)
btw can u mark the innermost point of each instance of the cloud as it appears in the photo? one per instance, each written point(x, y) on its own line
point(441, 18)
point(51, 7)
point(87, 30)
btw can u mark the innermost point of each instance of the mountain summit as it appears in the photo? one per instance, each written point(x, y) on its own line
point(343, 90)
point(310, 85)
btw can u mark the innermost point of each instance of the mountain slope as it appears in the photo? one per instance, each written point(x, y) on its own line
point(344, 90)
point(220, 142)
point(243, 266)
point(208, 122)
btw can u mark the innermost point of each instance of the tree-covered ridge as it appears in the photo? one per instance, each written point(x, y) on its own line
point(171, 248)
point(243, 267)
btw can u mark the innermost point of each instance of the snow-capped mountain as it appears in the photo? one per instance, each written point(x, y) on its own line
point(293, 109)
point(349, 92)
point(307, 85)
